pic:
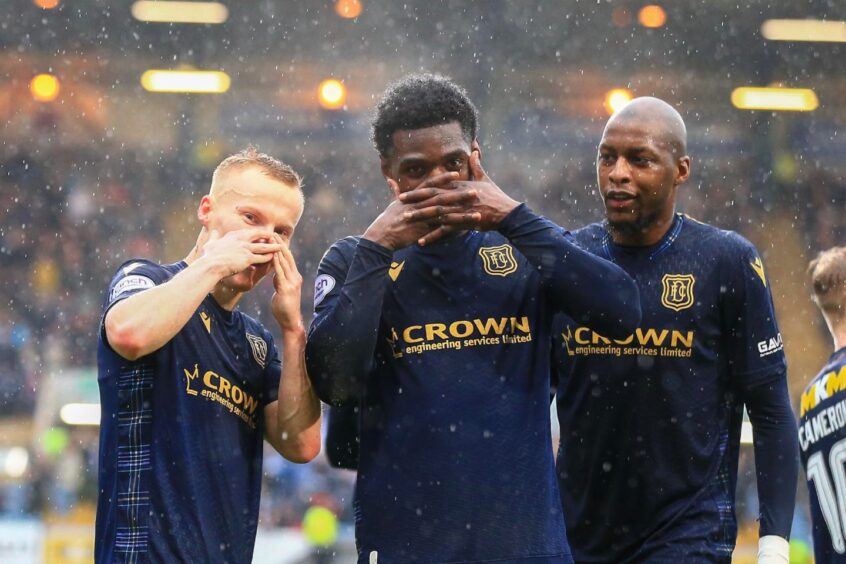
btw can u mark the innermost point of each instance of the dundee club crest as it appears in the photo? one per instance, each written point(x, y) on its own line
point(498, 261)
point(678, 291)
point(259, 348)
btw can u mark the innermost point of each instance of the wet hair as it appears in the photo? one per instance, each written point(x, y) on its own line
point(828, 280)
point(418, 101)
point(251, 157)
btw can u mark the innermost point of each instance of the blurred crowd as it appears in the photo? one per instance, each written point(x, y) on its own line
point(71, 216)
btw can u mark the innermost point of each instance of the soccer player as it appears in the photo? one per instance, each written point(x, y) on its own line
point(437, 322)
point(822, 416)
point(650, 423)
point(189, 385)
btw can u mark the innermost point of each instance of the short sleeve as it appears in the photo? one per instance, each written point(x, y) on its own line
point(754, 343)
point(132, 277)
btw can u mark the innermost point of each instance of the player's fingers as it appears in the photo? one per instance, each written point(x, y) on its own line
point(262, 258)
point(432, 212)
point(462, 220)
point(261, 248)
point(435, 235)
point(425, 197)
point(439, 180)
point(278, 268)
point(429, 188)
point(476, 166)
point(289, 263)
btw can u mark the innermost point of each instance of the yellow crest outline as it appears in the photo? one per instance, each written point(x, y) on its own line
point(498, 261)
point(677, 291)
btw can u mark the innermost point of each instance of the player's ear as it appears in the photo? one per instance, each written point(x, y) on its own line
point(204, 209)
point(385, 165)
point(682, 169)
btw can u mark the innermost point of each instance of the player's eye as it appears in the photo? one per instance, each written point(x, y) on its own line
point(414, 171)
point(455, 164)
point(251, 218)
point(605, 158)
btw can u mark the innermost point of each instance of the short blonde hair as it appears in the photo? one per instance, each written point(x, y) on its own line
point(270, 166)
point(828, 279)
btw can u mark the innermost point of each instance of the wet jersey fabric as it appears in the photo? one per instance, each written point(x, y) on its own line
point(454, 461)
point(650, 424)
point(181, 434)
point(822, 443)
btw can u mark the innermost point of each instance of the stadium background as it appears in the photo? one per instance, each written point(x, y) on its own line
point(97, 168)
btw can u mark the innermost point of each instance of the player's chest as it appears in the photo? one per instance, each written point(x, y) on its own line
point(220, 366)
point(474, 279)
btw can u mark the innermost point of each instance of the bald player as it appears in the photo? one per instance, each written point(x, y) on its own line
point(650, 424)
point(190, 386)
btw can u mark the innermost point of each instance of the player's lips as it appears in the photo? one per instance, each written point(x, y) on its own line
point(618, 199)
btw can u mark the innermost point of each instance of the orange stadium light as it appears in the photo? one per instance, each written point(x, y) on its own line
point(652, 16)
point(185, 81)
point(775, 99)
point(332, 94)
point(46, 4)
point(44, 87)
point(804, 30)
point(615, 100)
point(348, 8)
point(180, 12)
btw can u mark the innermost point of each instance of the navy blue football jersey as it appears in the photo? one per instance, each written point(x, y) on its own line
point(455, 460)
point(181, 434)
point(650, 424)
point(822, 443)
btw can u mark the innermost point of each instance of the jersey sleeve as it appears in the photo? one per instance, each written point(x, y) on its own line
point(754, 345)
point(349, 290)
point(132, 277)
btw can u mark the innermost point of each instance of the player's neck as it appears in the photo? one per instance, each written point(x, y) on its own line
point(227, 298)
point(636, 236)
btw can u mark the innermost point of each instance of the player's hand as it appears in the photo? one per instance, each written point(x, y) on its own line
point(488, 204)
point(239, 250)
point(397, 227)
point(288, 283)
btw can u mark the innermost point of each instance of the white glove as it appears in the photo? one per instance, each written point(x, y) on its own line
point(773, 549)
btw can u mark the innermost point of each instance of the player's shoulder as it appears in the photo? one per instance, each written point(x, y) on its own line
point(590, 236)
point(145, 267)
point(140, 274)
point(724, 239)
point(341, 250)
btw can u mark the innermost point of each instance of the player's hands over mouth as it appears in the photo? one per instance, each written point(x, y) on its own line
point(240, 249)
point(397, 227)
point(288, 283)
point(488, 204)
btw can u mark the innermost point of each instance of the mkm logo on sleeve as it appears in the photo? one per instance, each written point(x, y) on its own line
point(131, 283)
point(323, 284)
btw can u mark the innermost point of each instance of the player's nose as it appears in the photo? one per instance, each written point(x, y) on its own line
point(621, 172)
